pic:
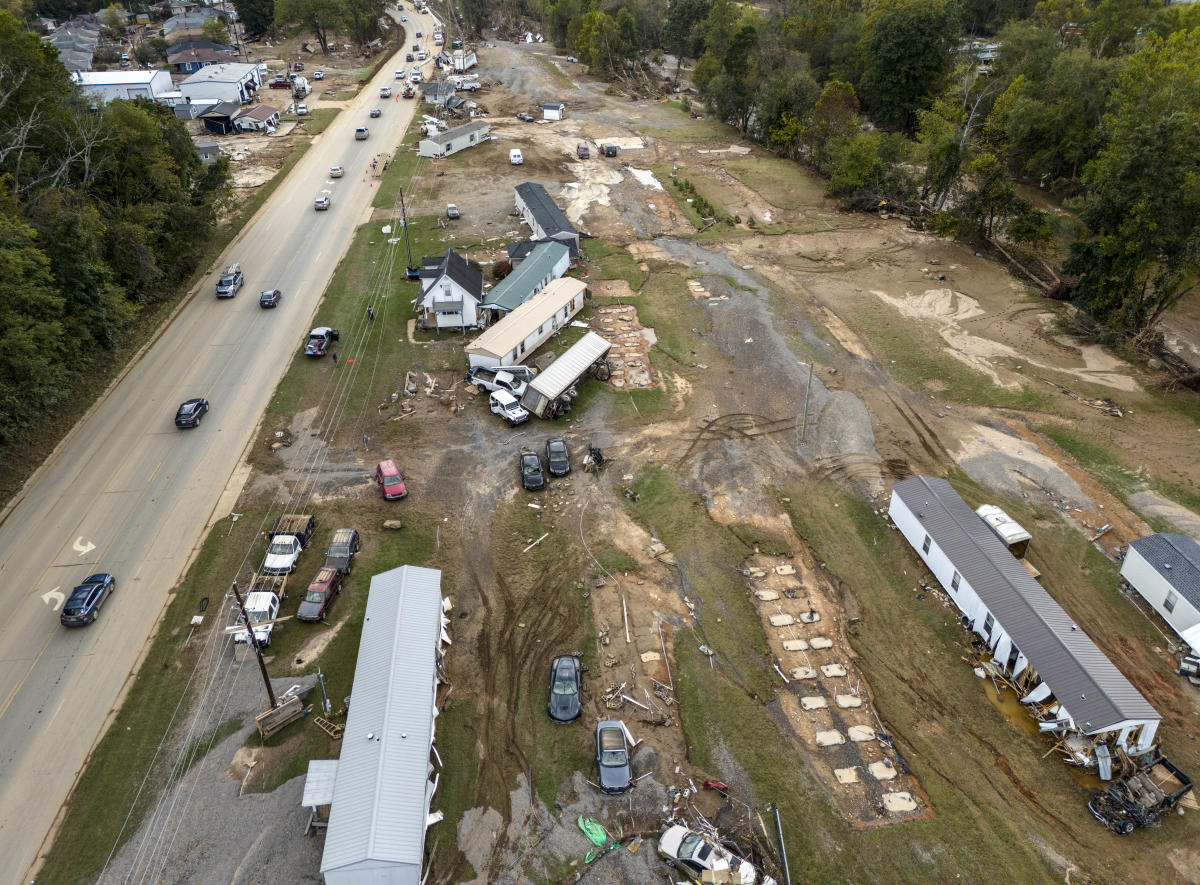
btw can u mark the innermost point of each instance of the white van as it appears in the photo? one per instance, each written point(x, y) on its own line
point(515, 158)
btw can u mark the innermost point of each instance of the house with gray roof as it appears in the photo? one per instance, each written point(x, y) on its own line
point(542, 214)
point(1074, 687)
point(1165, 570)
point(451, 288)
point(388, 770)
point(546, 262)
point(443, 144)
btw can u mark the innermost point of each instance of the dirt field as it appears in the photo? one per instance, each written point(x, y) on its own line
point(779, 640)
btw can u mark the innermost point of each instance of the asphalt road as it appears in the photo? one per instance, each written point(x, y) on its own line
point(129, 494)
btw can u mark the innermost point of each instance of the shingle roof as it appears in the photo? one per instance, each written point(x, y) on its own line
point(1082, 679)
point(518, 287)
point(222, 109)
point(457, 268)
point(549, 217)
point(521, 249)
point(1177, 559)
point(261, 112)
point(381, 793)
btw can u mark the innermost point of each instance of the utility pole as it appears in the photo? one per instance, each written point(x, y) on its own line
point(412, 272)
point(253, 642)
point(787, 873)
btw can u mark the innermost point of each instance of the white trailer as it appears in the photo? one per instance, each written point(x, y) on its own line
point(547, 395)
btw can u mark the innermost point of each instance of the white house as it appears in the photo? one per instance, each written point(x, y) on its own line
point(1165, 570)
point(231, 81)
point(450, 291)
point(1075, 688)
point(543, 216)
point(107, 86)
point(553, 110)
point(529, 326)
point(443, 144)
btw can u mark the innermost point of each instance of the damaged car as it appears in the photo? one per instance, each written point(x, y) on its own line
point(703, 859)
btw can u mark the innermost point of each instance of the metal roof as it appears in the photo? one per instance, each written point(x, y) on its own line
point(1083, 680)
point(228, 72)
point(441, 139)
point(518, 287)
point(1177, 559)
point(545, 211)
point(116, 78)
point(501, 338)
point(318, 783)
point(381, 796)
point(568, 368)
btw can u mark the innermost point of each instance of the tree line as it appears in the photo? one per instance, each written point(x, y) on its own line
point(104, 210)
point(941, 107)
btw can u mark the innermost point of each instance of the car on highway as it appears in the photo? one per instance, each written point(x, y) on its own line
point(85, 600)
point(416, 47)
point(321, 203)
point(319, 596)
point(375, 112)
point(189, 413)
point(408, 56)
point(415, 77)
point(558, 457)
point(421, 56)
point(533, 478)
point(319, 341)
point(612, 757)
point(385, 91)
point(401, 74)
point(698, 856)
point(404, 18)
point(336, 171)
point(361, 133)
point(269, 298)
point(230, 281)
point(390, 481)
point(420, 34)
point(566, 689)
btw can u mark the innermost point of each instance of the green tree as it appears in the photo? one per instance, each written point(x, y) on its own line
point(113, 17)
point(257, 16)
point(683, 36)
point(216, 30)
point(601, 44)
point(835, 115)
point(317, 16)
point(906, 47)
point(361, 19)
point(1143, 197)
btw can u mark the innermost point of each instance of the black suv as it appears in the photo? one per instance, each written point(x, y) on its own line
point(342, 548)
point(269, 298)
point(85, 600)
point(191, 412)
point(532, 475)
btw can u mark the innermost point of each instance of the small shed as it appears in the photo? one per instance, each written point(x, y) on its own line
point(443, 144)
point(1165, 570)
point(208, 151)
point(219, 117)
point(544, 395)
point(554, 110)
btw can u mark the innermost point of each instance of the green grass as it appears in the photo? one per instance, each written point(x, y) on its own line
point(400, 173)
point(553, 70)
point(318, 120)
point(914, 356)
point(613, 262)
point(782, 183)
point(689, 131)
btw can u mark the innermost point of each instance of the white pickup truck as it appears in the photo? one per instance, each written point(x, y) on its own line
point(262, 608)
point(510, 378)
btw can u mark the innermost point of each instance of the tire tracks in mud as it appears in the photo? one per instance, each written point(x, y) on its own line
point(922, 431)
point(734, 426)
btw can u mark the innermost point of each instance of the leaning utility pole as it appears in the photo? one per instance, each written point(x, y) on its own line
point(412, 271)
point(253, 642)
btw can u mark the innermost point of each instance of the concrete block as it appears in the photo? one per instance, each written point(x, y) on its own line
point(846, 775)
point(898, 803)
point(861, 733)
point(848, 701)
point(810, 617)
point(767, 595)
point(821, 642)
point(803, 673)
point(883, 770)
point(783, 619)
point(795, 645)
point(649, 656)
point(785, 569)
point(814, 702)
point(833, 670)
point(830, 738)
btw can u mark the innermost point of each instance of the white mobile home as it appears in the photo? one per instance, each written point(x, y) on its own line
point(232, 81)
point(543, 216)
point(1165, 570)
point(546, 394)
point(443, 144)
point(1031, 638)
point(529, 326)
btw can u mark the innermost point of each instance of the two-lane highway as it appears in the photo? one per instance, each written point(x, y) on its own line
point(128, 493)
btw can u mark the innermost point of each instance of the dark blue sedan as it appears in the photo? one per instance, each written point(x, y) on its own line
point(85, 600)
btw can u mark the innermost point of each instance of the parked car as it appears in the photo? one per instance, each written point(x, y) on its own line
point(696, 855)
point(321, 203)
point(452, 211)
point(262, 608)
point(319, 596)
point(582, 151)
point(190, 412)
point(281, 82)
point(404, 18)
point(401, 74)
point(515, 157)
point(342, 549)
point(361, 133)
point(390, 480)
point(375, 112)
point(230, 281)
point(572, 59)
point(558, 457)
point(532, 476)
point(85, 600)
point(282, 555)
point(504, 404)
point(612, 757)
point(301, 110)
point(336, 171)
point(524, 117)
point(319, 341)
point(318, 75)
point(566, 689)
point(269, 298)
point(487, 379)
point(385, 91)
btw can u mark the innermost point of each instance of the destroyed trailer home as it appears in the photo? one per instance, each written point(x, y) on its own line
point(1074, 691)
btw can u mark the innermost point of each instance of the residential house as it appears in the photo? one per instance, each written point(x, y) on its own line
point(1070, 684)
point(545, 218)
point(208, 151)
point(450, 291)
point(388, 769)
point(189, 57)
point(219, 117)
point(438, 92)
point(259, 118)
point(1165, 570)
point(548, 261)
point(519, 251)
point(106, 86)
point(528, 327)
point(191, 21)
point(553, 110)
point(444, 144)
point(76, 43)
point(230, 81)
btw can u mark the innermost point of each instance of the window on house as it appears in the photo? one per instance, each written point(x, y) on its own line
point(925, 545)
point(988, 623)
point(955, 581)
point(1169, 602)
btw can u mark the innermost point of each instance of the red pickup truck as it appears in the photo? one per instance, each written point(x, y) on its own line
point(280, 83)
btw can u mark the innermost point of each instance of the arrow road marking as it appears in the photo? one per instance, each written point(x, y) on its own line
point(55, 597)
point(82, 547)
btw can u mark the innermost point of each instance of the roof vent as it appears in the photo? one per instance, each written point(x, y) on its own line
point(1073, 628)
point(370, 735)
point(1166, 565)
point(1083, 697)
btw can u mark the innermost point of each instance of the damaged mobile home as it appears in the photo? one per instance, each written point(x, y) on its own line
point(1068, 683)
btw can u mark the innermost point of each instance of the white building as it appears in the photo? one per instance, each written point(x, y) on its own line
point(106, 86)
point(232, 81)
point(1031, 638)
point(443, 144)
point(450, 291)
point(553, 110)
point(529, 326)
point(1165, 570)
point(388, 770)
point(543, 216)
point(544, 396)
